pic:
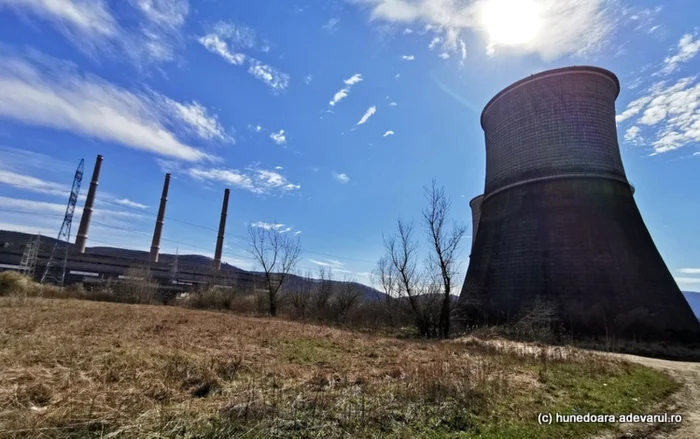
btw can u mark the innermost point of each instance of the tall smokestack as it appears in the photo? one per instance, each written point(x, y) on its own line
point(81, 239)
point(155, 245)
point(222, 231)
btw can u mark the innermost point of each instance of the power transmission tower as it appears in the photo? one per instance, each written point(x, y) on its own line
point(31, 253)
point(174, 268)
point(55, 271)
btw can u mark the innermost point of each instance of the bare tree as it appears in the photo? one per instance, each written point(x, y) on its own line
point(347, 296)
point(402, 253)
point(445, 244)
point(324, 291)
point(384, 277)
point(278, 254)
point(300, 295)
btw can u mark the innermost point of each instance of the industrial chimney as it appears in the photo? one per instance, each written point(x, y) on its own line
point(559, 226)
point(222, 232)
point(81, 238)
point(155, 245)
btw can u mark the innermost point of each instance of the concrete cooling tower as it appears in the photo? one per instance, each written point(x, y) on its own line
point(557, 223)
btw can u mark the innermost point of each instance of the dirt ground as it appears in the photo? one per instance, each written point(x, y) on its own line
point(685, 402)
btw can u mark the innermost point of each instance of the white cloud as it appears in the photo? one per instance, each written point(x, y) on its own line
point(198, 119)
point(433, 44)
point(62, 99)
point(149, 36)
point(407, 31)
point(343, 93)
point(632, 134)
point(389, 133)
point(279, 138)
point(308, 79)
point(214, 44)
point(566, 26)
point(267, 226)
point(408, 57)
point(28, 183)
point(370, 111)
point(297, 233)
point(228, 40)
point(332, 25)
point(279, 168)
point(272, 77)
point(343, 178)
point(689, 270)
point(128, 203)
point(330, 263)
point(444, 55)
point(688, 47)
point(42, 207)
point(669, 115)
point(688, 280)
point(393, 104)
point(253, 179)
point(73, 17)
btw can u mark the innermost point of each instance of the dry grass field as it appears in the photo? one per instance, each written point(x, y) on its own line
point(71, 369)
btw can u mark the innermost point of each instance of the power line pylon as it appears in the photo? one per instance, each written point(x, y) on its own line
point(55, 271)
point(31, 253)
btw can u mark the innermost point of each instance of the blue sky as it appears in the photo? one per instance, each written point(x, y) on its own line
point(325, 119)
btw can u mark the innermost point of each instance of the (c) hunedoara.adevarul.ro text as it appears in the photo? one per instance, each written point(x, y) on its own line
point(559, 418)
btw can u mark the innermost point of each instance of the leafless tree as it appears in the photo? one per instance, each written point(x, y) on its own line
point(300, 296)
point(278, 254)
point(445, 245)
point(384, 278)
point(347, 296)
point(323, 293)
point(402, 253)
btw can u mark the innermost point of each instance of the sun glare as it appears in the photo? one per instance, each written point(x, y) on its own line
point(512, 22)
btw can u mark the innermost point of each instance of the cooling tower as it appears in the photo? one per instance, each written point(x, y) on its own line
point(559, 226)
point(475, 204)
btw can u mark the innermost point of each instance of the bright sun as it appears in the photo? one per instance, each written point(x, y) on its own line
point(512, 22)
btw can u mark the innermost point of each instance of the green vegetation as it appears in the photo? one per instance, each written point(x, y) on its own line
point(72, 369)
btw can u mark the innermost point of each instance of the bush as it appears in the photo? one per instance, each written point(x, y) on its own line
point(13, 283)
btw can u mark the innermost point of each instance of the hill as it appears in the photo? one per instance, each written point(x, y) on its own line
point(73, 369)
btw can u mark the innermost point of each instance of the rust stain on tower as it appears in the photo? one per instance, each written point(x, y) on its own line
point(222, 232)
point(82, 236)
point(558, 223)
point(155, 245)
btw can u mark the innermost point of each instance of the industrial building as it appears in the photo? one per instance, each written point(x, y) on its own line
point(557, 223)
point(77, 263)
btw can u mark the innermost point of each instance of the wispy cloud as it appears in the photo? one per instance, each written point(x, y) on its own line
point(343, 178)
point(566, 26)
point(280, 228)
point(58, 97)
point(688, 47)
point(370, 111)
point(687, 280)
point(343, 93)
point(279, 138)
point(308, 79)
point(33, 184)
point(128, 203)
point(408, 57)
point(272, 77)
point(197, 118)
point(689, 270)
point(253, 179)
point(666, 114)
point(393, 104)
point(389, 133)
point(330, 263)
point(150, 35)
point(229, 40)
point(332, 25)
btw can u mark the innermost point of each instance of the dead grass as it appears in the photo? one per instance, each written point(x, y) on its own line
point(73, 368)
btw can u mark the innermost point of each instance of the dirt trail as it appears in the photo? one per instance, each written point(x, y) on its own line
point(685, 402)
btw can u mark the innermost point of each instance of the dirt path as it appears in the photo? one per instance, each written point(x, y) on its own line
point(686, 402)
